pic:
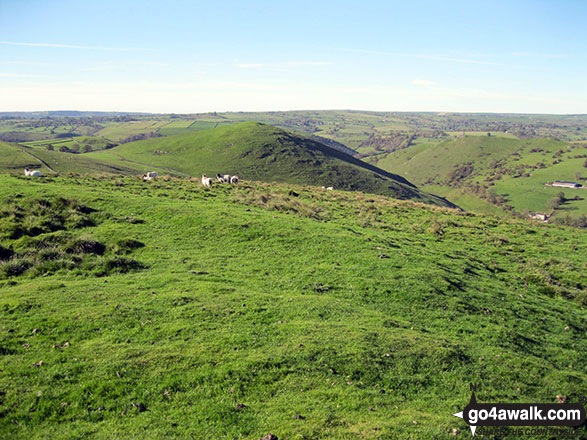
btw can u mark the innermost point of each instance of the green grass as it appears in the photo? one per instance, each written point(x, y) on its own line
point(261, 152)
point(13, 159)
point(78, 143)
point(120, 131)
point(360, 313)
point(516, 169)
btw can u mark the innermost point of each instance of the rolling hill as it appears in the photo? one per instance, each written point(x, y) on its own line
point(164, 309)
point(471, 170)
point(257, 151)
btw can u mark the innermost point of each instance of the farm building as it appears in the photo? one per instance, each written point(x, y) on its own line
point(564, 184)
point(542, 216)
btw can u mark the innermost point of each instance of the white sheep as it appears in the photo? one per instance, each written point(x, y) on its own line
point(330, 188)
point(32, 173)
point(206, 181)
point(150, 175)
point(234, 179)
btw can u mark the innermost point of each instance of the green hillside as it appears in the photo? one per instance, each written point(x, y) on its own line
point(79, 144)
point(164, 309)
point(435, 161)
point(256, 151)
point(512, 172)
point(14, 159)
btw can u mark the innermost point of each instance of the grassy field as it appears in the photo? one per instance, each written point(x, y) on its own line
point(80, 144)
point(262, 152)
point(515, 169)
point(424, 148)
point(119, 131)
point(281, 309)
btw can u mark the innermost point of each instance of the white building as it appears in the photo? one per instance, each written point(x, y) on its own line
point(563, 184)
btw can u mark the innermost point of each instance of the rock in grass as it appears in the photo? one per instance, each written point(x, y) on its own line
point(140, 407)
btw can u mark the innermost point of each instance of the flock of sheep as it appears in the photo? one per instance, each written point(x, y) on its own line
point(220, 178)
point(206, 181)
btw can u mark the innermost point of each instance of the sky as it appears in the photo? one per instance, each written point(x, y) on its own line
point(511, 56)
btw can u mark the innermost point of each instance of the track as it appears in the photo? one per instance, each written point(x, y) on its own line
point(171, 170)
point(35, 157)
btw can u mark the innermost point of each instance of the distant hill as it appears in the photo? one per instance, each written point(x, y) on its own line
point(14, 159)
point(509, 173)
point(257, 151)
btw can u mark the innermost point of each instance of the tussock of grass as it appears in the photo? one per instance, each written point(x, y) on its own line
point(39, 235)
point(15, 266)
point(85, 245)
point(127, 245)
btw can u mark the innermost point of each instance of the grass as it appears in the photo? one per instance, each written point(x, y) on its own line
point(120, 131)
point(257, 151)
point(262, 302)
point(80, 144)
point(39, 239)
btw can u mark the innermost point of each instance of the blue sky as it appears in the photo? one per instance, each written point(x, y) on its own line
point(196, 56)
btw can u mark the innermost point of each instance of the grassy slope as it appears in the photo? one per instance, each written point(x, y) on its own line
point(14, 159)
point(306, 305)
point(95, 143)
point(257, 151)
point(428, 161)
point(119, 131)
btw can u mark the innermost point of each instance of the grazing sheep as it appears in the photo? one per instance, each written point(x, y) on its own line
point(33, 173)
point(150, 175)
point(234, 179)
point(206, 181)
point(330, 188)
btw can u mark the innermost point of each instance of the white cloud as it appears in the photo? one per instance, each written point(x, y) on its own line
point(26, 63)
point(539, 55)
point(282, 65)
point(423, 82)
point(424, 56)
point(71, 46)
point(21, 75)
point(249, 65)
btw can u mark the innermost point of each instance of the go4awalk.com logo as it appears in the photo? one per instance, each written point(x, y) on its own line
point(521, 414)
